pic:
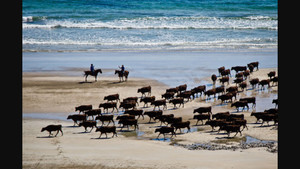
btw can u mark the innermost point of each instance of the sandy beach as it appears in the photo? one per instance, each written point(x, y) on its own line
point(49, 97)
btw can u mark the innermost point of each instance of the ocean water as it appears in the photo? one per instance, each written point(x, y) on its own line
point(126, 25)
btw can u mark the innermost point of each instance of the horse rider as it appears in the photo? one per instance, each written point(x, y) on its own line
point(92, 68)
point(122, 69)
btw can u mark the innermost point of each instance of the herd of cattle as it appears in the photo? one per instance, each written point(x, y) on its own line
point(229, 122)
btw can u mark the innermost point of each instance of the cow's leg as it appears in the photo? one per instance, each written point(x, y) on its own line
point(56, 133)
point(61, 132)
point(228, 132)
point(158, 135)
point(236, 133)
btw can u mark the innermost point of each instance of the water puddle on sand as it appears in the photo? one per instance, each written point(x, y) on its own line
point(250, 140)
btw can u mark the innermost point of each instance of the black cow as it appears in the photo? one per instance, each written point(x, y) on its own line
point(51, 128)
point(163, 130)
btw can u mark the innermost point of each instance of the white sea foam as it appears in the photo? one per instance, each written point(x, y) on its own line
point(251, 22)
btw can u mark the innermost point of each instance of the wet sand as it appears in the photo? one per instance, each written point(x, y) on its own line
point(56, 95)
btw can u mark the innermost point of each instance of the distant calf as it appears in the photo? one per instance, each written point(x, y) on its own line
point(107, 129)
point(51, 128)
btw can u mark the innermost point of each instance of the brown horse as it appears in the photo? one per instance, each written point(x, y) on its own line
point(95, 73)
point(120, 74)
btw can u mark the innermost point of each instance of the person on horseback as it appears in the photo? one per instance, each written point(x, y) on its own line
point(122, 69)
point(92, 68)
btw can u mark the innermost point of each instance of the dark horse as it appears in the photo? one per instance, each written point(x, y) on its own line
point(95, 73)
point(120, 74)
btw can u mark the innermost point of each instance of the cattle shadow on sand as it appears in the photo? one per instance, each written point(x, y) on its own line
point(83, 82)
point(45, 137)
point(101, 138)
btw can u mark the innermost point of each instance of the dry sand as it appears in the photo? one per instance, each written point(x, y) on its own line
point(58, 94)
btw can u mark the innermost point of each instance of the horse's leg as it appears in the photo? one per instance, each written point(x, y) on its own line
point(96, 78)
point(86, 77)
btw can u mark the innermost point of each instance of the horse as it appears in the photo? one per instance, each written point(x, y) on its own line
point(120, 74)
point(95, 73)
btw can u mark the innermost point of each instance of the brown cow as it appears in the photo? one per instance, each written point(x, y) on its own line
point(128, 105)
point(226, 72)
point(107, 129)
point(232, 128)
point(224, 79)
point(210, 92)
point(109, 105)
point(271, 74)
point(158, 103)
point(182, 88)
point(163, 130)
point(224, 97)
point(201, 110)
point(201, 117)
point(249, 100)
point(168, 95)
point(254, 82)
point(264, 82)
point(239, 68)
point(77, 117)
point(221, 69)
point(238, 104)
point(214, 78)
point(93, 112)
point(103, 118)
point(83, 108)
point(144, 90)
point(254, 64)
point(147, 100)
point(198, 89)
point(135, 113)
point(177, 101)
point(163, 118)
point(129, 122)
point(153, 114)
point(180, 125)
point(87, 124)
point(112, 97)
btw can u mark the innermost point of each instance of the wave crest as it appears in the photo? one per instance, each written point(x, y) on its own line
point(250, 22)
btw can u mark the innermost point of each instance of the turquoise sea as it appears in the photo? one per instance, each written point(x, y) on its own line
point(114, 25)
